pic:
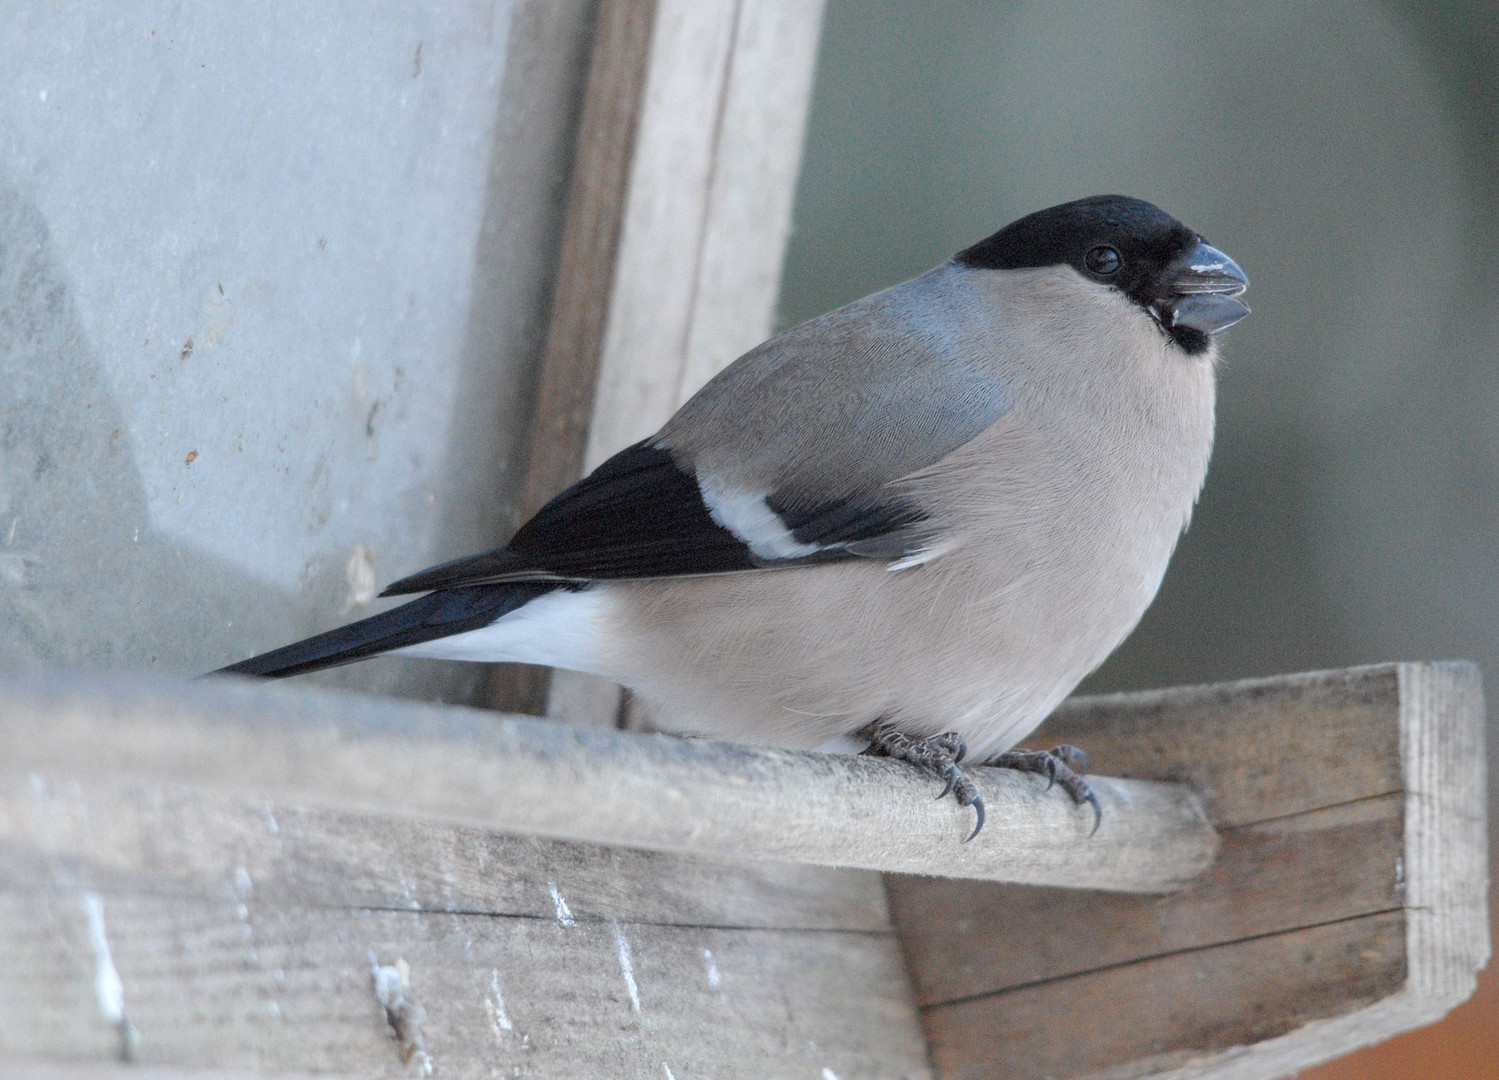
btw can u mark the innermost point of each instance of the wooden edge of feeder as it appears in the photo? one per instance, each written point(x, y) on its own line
point(1445, 871)
point(658, 792)
point(1349, 902)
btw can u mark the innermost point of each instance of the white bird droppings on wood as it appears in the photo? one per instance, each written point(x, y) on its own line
point(107, 985)
point(564, 913)
point(109, 990)
point(828, 1074)
point(501, 1021)
point(627, 968)
point(667, 1069)
point(404, 1015)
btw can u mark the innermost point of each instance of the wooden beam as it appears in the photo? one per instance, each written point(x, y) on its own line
point(590, 243)
point(708, 210)
point(676, 227)
point(569, 364)
point(241, 929)
point(631, 789)
point(1349, 901)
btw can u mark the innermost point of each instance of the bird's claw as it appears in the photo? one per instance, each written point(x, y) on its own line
point(1097, 808)
point(952, 780)
point(1063, 765)
point(978, 809)
point(940, 754)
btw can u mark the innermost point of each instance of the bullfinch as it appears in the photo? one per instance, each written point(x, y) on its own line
point(920, 519)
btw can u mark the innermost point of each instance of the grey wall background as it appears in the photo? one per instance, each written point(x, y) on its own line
point(272, 284)
point(1346, 153)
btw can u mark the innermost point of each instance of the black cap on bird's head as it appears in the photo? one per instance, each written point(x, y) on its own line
point(1188, 286)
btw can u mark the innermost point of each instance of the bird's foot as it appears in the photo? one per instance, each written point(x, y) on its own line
point(1061, 765)
point(938, 753)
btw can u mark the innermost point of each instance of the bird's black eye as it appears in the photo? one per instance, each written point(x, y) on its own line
point(1102, 260)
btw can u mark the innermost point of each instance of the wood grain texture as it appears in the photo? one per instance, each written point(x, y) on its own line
point(1164, 1012)
point(1271, 877)
point(568, 372)
point(1349, 901)
point(1252, 749)
point(51, 1070)
point(119, 837)
point(676, 228)
point(241, 928)
point(709, 205)
point(236, 982)
point(590, 244)
point(690, 796)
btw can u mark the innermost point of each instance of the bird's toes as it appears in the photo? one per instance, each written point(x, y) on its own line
point(1070, 756)
point(951, 774)
point(1063, 767)
point(939, 754)
point(1078, 790)
point(952, 744)
point(967, 794)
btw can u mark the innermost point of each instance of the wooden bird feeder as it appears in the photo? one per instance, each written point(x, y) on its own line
point(227, 876)
point(223, 879)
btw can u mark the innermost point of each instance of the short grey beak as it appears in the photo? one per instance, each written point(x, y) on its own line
point(1202, 291)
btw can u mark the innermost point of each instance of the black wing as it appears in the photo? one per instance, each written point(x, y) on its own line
point(641, 515)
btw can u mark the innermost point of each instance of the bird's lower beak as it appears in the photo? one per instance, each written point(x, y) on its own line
point(1203, 289)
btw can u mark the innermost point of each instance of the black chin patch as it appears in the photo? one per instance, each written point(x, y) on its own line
point(1192, 342)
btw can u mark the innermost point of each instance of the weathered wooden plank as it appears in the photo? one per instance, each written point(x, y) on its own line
point(473, 768)
point(203, 899)
point(590, 245)
point(241, 983)
point(709, 204)
point(1352, 809)
point(1169, 1010)
point(751, 187)
point(584, 282)
point(1270, 877)
point(677, 224)
point(113, 837)
point(1254, 749)
point(48, 1070)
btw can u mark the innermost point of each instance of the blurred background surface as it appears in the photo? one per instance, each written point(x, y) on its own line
point(1346, 154)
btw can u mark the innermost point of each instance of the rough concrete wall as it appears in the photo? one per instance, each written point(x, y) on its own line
point(272, 282)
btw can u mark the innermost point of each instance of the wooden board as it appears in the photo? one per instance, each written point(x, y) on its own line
point(515, 774)
point(1349, 900)
point(670, 267)
point(569, 366)
point(241, 935)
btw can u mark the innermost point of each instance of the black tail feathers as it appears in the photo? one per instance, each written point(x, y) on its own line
point(436, 615)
